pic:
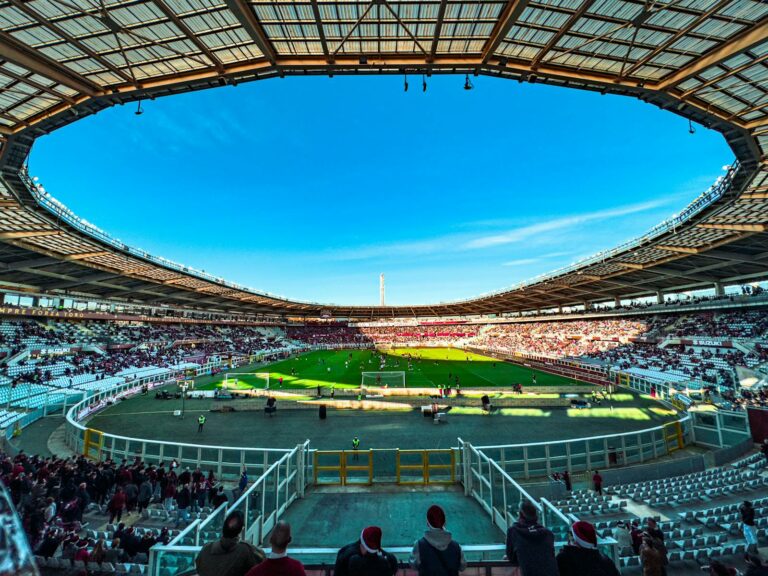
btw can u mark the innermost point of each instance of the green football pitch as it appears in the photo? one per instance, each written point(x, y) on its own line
point(427, 367)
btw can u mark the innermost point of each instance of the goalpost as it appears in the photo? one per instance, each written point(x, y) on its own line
point(254, 379)
point(383, 379)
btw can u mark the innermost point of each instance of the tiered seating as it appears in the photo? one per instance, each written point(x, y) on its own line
point(8, 417)
point(691, 487)
point(754, 462)
point(590, 504)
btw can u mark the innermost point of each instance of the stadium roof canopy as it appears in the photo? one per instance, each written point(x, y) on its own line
point(706, 60)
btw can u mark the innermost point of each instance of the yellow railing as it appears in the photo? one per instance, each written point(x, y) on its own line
point(93, 440)
point(416, 467)
point(343, 463)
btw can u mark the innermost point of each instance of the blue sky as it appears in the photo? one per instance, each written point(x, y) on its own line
point(310, 187)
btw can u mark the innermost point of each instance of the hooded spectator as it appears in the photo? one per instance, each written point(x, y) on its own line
point(436, 553)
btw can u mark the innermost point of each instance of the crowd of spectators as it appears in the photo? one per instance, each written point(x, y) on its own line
point(52, 495)
point(125, 347)
point(561, 339)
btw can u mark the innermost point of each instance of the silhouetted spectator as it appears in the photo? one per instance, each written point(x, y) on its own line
point(228, 556)
point(581, 556)
point(531, 546)
point(365, 557)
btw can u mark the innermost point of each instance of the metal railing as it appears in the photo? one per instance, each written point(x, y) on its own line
point(541, 459)
point(262, 504)
point(227, 462)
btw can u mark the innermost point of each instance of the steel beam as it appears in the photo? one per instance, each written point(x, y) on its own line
point(735, 227)
point(253, 27)
point(508, 17)
point(734, 46)
point(22, 55)
point(562, 32)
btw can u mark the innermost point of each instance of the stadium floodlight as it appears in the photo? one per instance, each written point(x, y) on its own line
point(382, 379)
point(468, 83)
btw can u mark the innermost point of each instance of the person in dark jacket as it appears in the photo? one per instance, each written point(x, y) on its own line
point(531, 546)
point(228, 556)
point(116, 506)
point(365, 557)
point(755, 566)
point(145, 495)
point(581, 557)
point(748, 527)
point(183, 501)
point(437, 554)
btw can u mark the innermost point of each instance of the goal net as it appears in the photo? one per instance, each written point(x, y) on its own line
point(246, 380)
point(384, 379)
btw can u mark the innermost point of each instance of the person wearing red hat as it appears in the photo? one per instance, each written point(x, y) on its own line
point(365, 557)
point(581, 556)
point(437, 554)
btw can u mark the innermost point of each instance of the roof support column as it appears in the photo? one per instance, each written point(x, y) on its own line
point(659, 297)
point(616, 302)
point(719, 289)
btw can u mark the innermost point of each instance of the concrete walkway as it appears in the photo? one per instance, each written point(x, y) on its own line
point(335, 516)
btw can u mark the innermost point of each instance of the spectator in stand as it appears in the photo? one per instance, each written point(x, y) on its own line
point(81, 554)
point(749, 528)
point(114, 554)
point(243, 483)
point(653, 531)
point(623, 537)
point(228, 556)
point(567, 481)
point(365, 557)
point(98, 552)
point(50, 510)
point(597, 481)
point(764, 448)
point(145, 495)
point(531, 546)
point(717, 568)
point(277, 562)
point(131, 496)
point(651, 558)
point(755, 566)
point(581, 557)
point(183, 501)
point(636, 534)
point(436, 553)
point(116, 505)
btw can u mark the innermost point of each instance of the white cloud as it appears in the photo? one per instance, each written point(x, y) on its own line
point(468, 241)
point(524, 232)
point(522, 262)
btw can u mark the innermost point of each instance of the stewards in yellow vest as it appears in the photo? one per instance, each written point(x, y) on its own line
point(200, 423)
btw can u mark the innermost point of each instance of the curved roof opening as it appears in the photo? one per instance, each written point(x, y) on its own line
point(451, 193)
